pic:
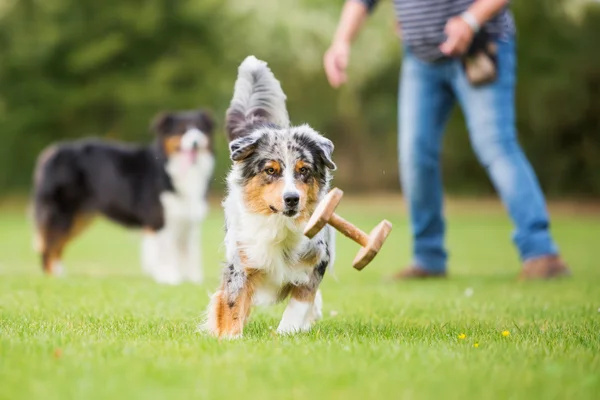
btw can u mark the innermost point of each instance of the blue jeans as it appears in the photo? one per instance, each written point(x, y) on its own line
point(427, 94)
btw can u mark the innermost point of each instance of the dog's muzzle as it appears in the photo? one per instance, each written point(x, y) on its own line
point(291, 201)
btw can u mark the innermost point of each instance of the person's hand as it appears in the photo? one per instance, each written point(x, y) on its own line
point(335, 62)
point(459, 37)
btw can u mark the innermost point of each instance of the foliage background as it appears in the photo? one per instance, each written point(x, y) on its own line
point(73, 68)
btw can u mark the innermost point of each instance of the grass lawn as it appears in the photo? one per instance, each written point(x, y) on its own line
point(106, 331)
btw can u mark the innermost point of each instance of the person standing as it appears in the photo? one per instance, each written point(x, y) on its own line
point(456, 51)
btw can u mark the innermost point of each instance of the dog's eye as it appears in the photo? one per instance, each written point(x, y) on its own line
point(270, 171)
point(303, 170)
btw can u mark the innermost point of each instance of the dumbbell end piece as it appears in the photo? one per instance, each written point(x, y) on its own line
point(323, 212)
point(376, 239)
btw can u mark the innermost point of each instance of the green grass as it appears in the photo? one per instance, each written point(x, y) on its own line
point(106, 331)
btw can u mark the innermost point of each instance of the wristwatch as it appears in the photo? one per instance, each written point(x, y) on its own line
point(471, 21)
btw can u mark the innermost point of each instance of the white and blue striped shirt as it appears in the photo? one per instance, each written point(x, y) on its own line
point(422, 23)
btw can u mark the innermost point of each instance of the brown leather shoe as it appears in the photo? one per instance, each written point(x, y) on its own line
point(545, 267)
point(416, 272)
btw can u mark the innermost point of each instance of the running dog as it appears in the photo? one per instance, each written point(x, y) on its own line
point(279, 174)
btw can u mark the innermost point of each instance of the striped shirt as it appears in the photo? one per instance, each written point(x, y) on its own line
point(422, 23)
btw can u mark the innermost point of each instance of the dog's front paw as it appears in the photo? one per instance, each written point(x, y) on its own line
point(220, 333)
point(296, 317)
point(292, 329)
point(228, 336)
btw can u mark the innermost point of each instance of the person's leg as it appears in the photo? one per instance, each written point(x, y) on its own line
point(490, 115)
point(425, 102)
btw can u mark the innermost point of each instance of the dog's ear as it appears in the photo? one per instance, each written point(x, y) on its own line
point(243, 147)
point(162, 122)
point(325, 150)
point(206, 121)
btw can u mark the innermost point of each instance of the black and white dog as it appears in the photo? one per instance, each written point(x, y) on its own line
point(279, 175)
point(160, 188)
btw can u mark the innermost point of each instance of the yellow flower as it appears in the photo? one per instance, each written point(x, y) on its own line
point(505, 333)
point(475, 345)
point(462, 336)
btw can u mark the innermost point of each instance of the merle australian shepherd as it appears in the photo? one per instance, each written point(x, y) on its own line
point(160, 188)
point(279, 174)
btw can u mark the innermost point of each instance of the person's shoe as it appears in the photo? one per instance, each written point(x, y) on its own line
point(416, 272)
point(545, 267)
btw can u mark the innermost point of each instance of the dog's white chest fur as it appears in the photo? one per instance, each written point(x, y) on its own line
point(271, 243)
point(173, 254)
point(190, 184)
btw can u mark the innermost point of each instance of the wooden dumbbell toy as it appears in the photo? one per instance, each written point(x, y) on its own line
point(325, 214)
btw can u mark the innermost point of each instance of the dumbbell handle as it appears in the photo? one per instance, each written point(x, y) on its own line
point(348, 230)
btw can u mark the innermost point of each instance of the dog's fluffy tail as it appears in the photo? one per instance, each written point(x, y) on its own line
point(257, 99)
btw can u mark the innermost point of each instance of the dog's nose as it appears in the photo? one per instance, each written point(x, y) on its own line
point(291, 199)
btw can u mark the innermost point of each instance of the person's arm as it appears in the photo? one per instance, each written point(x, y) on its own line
point(461, 29)
point(484, 10)
point(336, 57)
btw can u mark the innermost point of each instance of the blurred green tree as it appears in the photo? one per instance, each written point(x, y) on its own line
point(71, 68)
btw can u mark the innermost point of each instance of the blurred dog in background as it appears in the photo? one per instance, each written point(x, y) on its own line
point(160, 188)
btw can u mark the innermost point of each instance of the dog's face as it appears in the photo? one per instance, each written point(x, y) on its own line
point(282, 171)
point(184, 134)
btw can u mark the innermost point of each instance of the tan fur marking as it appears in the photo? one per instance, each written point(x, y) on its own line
point(273, 164)
point(81, 222)
point(304, 293)
point(311, 258)
point(284, 292)
point(259, 195)
point(310, 192)
point(52, 253)
point(243, 256)
point(54, 243)
point(299, 165)
point(171, 144)
point(231, 317)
